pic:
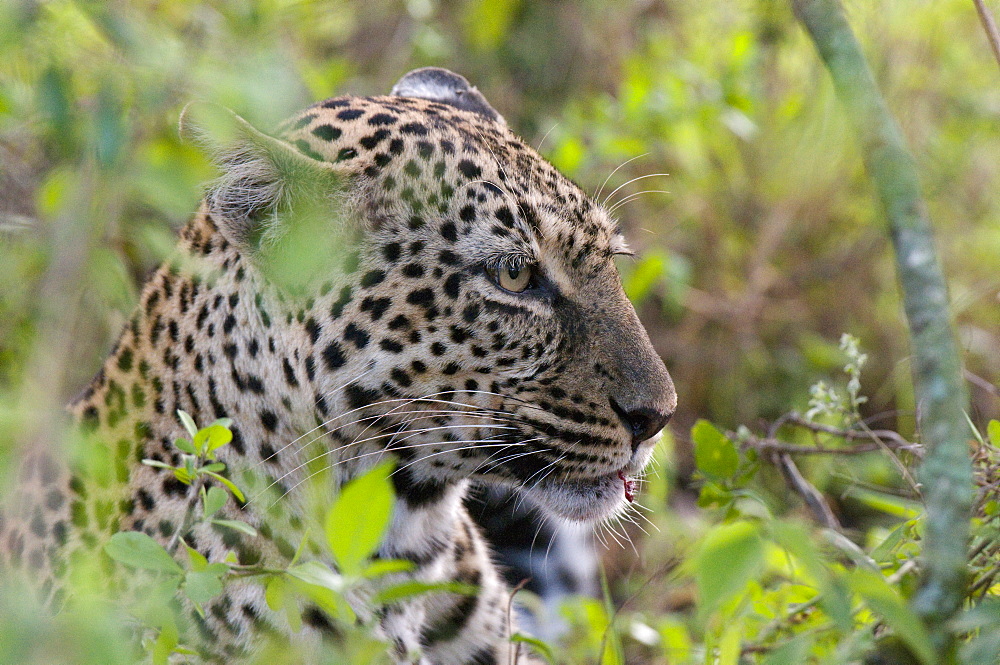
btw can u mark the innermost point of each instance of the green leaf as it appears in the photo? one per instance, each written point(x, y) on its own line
point(228, 483)
point(793, 652)
point(188, 423)
point(984, 618)
point(897, 506)
point(209, 439)
point(278, 596)
point(213, 500)
point(884, 551)
point(275, 593)
point(886, 602)
point(730, 556)
point(158, 465)
point(314, 572)
point(136, 549)
point(196, 558)
point(835, 601)
point(237, 525)
point(714, 453)
point(387, 567)
point(359, 518)
point(202, 586)
point(331, 602)
point(540, 647)
point(165, 643)
point(729, 645)
point(184, 445)
point(411, 588)
point(993, 432)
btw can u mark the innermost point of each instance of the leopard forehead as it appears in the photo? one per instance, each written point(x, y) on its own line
point(423, 161)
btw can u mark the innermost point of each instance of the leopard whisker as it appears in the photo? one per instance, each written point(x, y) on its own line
point(538, 148)
point(626, 184)
point(405, 402)
point(597, 194)
point(503, 445)
point(305, 434)
point(639, 514)
point(495, 416)
point(380, 451)
point(358, 442)
point(632, 197)
point(516, 456)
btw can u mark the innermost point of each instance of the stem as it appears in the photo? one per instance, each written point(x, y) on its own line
point(193, 500)
point(941, 397)
point(990, 26)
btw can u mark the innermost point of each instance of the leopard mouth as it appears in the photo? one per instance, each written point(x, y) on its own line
point(590, 499)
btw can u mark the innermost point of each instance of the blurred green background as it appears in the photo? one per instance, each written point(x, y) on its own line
point(759, 241)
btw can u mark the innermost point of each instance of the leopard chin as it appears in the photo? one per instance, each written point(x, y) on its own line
point(595, 499)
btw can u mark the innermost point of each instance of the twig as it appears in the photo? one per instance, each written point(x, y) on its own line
point(879, 439)
point(516, 651)
point(813, 497)
point(990, 26)
point(193, 500)
point(980, 382)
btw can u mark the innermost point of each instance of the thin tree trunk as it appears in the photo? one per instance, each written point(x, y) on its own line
point(946, 473)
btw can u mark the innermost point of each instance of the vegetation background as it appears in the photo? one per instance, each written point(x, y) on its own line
point(742, 188)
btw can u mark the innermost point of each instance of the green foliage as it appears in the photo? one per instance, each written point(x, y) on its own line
point(355, 524)
point(358, 520)
point(140, 551)
point(758, 249)
point(714, 454)
point(730, 556)
point(199, 450)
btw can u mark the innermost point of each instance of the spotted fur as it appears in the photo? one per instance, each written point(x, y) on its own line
point(394, 338)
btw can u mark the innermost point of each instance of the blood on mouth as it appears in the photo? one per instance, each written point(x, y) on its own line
point(629, 486)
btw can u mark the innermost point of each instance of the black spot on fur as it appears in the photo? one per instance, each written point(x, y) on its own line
point(375, 306)
point(451, 285)
point(359, 337)
point(417, 493)
point(290, 377)
point(391, 251)
point(269, 420)
point(469, 169)
point(338, 307)
point(422, 297)
point(333, 357)
point(381, 119)
point(313, 329)
point(414, 128)
point(369, 142)
point(358, 396)
point(372, 278)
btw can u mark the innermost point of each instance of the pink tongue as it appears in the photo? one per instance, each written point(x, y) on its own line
point(629, 485)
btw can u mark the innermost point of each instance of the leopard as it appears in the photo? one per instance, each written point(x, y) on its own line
point(453, 304)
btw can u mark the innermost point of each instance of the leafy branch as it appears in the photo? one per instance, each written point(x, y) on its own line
point(198, 463)
point(354, 527)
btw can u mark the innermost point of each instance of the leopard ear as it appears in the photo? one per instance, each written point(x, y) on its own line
point(440, 85)
point(263, 178)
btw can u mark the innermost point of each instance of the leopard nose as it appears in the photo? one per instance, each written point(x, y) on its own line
point(643, 423)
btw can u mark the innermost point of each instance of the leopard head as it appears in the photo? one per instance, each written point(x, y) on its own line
point(465, 311)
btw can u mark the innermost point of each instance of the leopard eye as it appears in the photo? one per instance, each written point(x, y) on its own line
point(513, 279)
